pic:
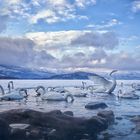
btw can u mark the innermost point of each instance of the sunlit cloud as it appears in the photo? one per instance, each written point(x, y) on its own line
point(75, 38)
point(70, 34)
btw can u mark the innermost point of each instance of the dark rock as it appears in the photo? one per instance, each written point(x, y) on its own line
point(69, 113)
point(119, 118)
point(18, 134)
point(105, 136)
point(4, 130)
point(56, 125)
point(135, 119)
point(35, 133)
point(107, 115)
point(19, 126)
point(95, 105)
point(137, 128)
point(18, 131)
point(52, 135)
point(100, 124)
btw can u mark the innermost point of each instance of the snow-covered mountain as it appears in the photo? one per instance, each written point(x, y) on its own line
point(74, 75)
point(84, 75)
point(14, 72)
point(129, 75)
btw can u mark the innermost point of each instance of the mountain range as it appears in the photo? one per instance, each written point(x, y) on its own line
point(15, 72)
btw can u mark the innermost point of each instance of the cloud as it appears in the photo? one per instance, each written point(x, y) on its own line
point(78, 50)
point(100, 60)
point(104, 25)
point(123, 61)
point(48, 15)
point(49, 11)
point(10, 2)
point(3, 22)
point(74, 60)
point(52, 39)
point(75, 38)
point(106, 40)
point(21, 52)
point(98, 54)
point(54, 11)
point(26, 53)
point(136, 6)
point(84, 3)
point(15, 51)
point(16, 9)
point(57, 11)
point(43, 59)
point(83, 60)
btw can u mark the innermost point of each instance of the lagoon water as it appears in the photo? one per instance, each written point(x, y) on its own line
point(121, 107)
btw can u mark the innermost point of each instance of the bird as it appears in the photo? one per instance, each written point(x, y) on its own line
point(2, 90)
point(97, 89)
point(53, 95)
point(13, 95)
point(127, 95)
point(57, 89)
point(79, 91)
point(136, 86)
point(10, 86)
point(102, 84)
point(83, 85)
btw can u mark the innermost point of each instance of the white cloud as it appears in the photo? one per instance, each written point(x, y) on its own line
point(25, 52)
point(12, 51)
point(120, 61)
point(123, 61)
point(62, 3)
point(3, 22)
point(136, 6)
point(84, 50)
point(53, 11)
point(107, 40)
point(84, 3)
point(76, 49)
point(54, 38)
point(49, 11)
point(10, 2)
point(74, 38)
point(110, 23)
point(21, 52)
point(49, 16)
point(56, 11)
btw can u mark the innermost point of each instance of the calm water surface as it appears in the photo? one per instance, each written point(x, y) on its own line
point(121, 107)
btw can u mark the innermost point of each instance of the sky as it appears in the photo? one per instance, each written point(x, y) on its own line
point(70, 35)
